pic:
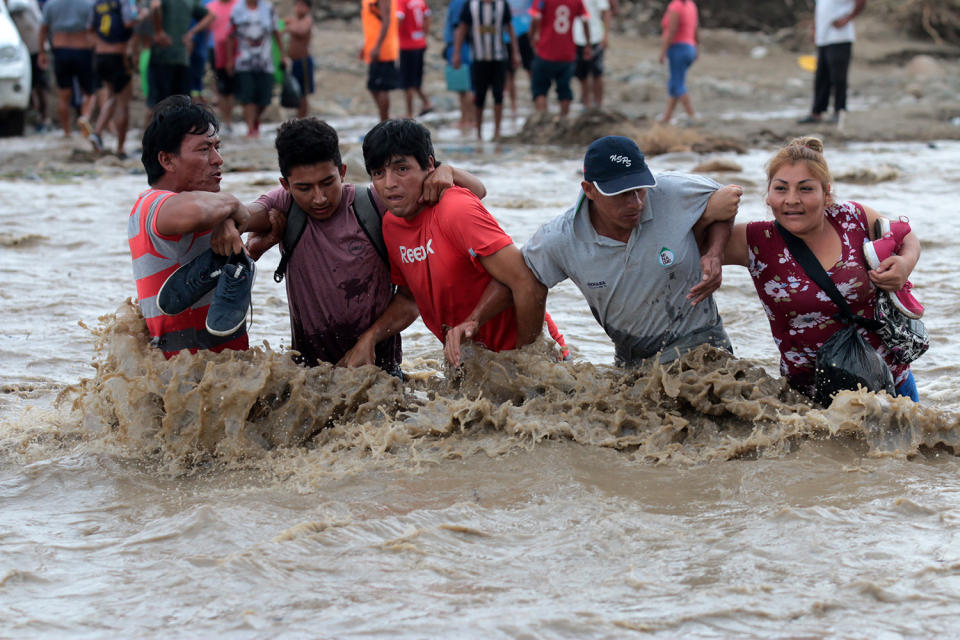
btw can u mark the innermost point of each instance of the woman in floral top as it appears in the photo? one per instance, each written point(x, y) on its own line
point(802, 316)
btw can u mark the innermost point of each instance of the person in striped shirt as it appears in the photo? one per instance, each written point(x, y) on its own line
point(486, 21)
point(180, 217)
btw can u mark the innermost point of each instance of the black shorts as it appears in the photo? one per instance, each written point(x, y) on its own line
point(113, 69)
point(226, 83)
point(488, 74)
point(592, 67)
point(74, 63)
point(38, 76)
point(411, 68)
point(526, 50)
point(382, 76)
point(165, 80)
point(254, 87)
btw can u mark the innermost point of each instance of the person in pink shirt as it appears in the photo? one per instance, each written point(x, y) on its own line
point(414, 24)
point(220, 29)
point(679, 46)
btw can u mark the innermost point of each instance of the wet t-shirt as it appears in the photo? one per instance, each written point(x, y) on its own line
point(67, 16)
point(155, 258)
point(254, 30)
point(411, 14)
point(337, 284)
point(436, 254)
point(220, 29)
point(801, 314)
point(556, 28)
point(177, 17)
point(372, 22)
point(637, 290)
point(686, 11)
point(825, 13)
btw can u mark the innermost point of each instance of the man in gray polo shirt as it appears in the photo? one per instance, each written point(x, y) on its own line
point(632, 245)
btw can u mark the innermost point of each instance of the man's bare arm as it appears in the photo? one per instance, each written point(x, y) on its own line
point(712, 232)
point(386, 15)
point(496, 298)
point(193, 211)
point(529, 295)
point(711, 260)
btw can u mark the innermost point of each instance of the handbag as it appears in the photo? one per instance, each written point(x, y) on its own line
point(845, 360)
point(906, 338)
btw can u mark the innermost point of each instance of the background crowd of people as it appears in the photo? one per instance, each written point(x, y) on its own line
point(236, 52)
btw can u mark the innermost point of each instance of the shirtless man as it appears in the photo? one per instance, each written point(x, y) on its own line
point(66, 20)
point(299, 26)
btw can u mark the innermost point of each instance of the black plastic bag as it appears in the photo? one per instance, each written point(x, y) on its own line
point(846, 361)
point(290, 91)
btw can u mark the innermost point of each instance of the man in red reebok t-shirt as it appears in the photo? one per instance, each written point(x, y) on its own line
point(447, 256)
point(552, 34)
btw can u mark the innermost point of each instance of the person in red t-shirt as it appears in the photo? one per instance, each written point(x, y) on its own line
point(552, 34)
point(414, 19)
point(466, 276)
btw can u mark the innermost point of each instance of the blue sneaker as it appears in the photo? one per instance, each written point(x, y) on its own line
point(231, 300)
point(189, 283)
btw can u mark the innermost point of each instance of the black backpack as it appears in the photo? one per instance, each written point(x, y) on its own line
point(368, 217)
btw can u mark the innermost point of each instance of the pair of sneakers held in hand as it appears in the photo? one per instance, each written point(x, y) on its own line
point(232, 279)
point(890, 234)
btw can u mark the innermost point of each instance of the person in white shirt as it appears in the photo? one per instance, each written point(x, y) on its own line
point(590, 72)
point(834, 35)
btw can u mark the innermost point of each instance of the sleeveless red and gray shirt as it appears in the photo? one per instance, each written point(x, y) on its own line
point(801, 314)
point(155, 257)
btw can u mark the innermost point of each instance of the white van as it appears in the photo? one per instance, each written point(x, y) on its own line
point(14, 76)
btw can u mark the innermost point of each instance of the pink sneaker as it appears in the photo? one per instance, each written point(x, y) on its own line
point(904, 300)
point(890, 234)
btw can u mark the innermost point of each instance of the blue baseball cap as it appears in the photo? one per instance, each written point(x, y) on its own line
point(615, 164)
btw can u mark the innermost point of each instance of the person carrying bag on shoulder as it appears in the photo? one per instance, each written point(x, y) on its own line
point(803, 312)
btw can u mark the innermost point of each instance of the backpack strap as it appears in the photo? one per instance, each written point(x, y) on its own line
point(815, 271)
point(296, 223)
point(368, 216)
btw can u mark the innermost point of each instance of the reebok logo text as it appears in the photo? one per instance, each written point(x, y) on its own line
point(416, 254)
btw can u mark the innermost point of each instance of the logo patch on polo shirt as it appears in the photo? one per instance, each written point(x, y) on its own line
point(666, 257)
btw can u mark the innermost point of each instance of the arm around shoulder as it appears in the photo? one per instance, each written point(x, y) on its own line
point(723, 204)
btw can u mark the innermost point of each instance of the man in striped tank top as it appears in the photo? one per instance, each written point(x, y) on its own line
point(486, 21)
point(182, 216)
